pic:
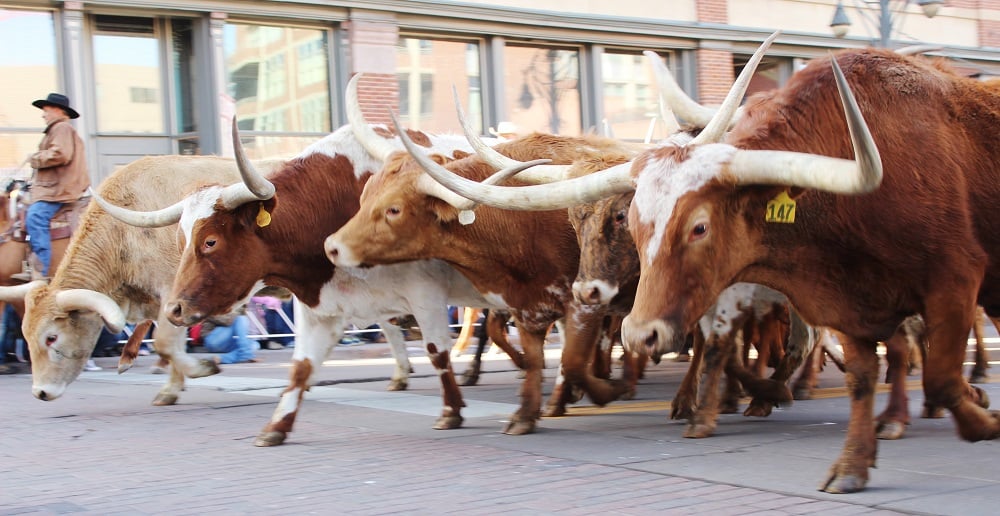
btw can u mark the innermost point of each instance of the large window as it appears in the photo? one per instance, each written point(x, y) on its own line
point(129, 92)
point(427, 70)
point(542, 89)
point(631, 106)
point(28, 71)
point(279, 80)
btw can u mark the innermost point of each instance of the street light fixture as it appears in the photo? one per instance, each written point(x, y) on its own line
point(841, 23)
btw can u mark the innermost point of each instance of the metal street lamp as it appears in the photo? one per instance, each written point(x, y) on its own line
point(841, 23)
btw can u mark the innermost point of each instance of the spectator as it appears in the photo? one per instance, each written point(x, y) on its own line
point(10, 340)
point(60, 175)
point(228, 335)
point(274, 323)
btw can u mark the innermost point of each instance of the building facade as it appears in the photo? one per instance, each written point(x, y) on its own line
point(167, 76)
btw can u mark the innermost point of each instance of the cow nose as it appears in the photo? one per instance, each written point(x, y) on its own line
point(42, 396)
point(179, 314)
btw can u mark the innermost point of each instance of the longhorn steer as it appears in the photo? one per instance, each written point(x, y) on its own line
point(863, 251)
point(113, 273)
point(525, 262)
point(270, 232)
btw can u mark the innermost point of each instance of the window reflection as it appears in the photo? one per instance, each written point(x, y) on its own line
point(542, 89)
point(27, 72)
point(427, 69)
point(278, 77)
point(128, 85)
point(631, 107)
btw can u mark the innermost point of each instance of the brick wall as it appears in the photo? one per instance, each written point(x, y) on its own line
point(378, 93)
point(715, 75)
point(715, 67)
point(713, 11)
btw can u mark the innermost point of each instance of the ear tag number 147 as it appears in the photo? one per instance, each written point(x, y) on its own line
point(781, 209)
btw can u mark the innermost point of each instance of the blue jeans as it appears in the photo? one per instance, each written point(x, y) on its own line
point(40, 213)
point(231, 341)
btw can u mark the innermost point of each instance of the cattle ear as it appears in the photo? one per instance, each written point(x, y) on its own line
point(795, 191)
point(460, 154)
point(444, 212)
point(258, 213)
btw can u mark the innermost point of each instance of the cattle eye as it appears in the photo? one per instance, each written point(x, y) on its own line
point(209, 243)
point(50, 340)
point(698, 231)
point(392, 212)
point(620, 217)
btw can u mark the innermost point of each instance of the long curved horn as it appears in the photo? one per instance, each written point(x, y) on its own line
point(820, 172)
point(913, 50)
point(673, 97)
point(91, 300)
point(143, 219)
point(255, 181)
point(12, 293)
point(374, 144)
point(536, 175)
point(720, 123)
point(429, 186)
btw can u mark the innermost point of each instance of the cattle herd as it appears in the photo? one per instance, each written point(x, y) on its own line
point(856, 197)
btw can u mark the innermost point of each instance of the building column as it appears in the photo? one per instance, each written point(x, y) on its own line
point(372, 39)
point(73, 70)
point(224, 105)
point(715, 59)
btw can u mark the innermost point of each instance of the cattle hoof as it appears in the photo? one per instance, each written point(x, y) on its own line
point(681, 412)
point(628, 395)
point(730, 406)
point(699, 431)
point(163, 400)
point(554, 411)
point(890, 430)
point(269, 438)
point(576, 394)
point(519, 428)
point(842, 484)
point(448, 422)
point(205, 367)
point(802, 393)
point(932, 412)
point(397, 385)
point(984, 399)
point(468, 381)
point(978, 377)
point(758, 409)
point(124, 366)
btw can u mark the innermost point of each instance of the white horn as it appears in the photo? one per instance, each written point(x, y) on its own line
point(374, 144)
point(917, 49)
point(90, 300)
point(143, 219)
point(255, 181)
point(843, 176)
point(720, 123)
point(673, 98)
point(14, 293)
point(534, 175)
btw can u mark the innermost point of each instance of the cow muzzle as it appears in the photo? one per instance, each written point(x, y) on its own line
point(181, 313)
point(594, 292)
point(339, 254)
point(48, 391)
point(654, 336)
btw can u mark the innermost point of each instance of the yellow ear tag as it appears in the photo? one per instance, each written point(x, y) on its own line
point(263, 217)
point(781, 209)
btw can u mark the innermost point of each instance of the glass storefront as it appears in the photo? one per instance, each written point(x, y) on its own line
point(428, 69)
point(542, 89)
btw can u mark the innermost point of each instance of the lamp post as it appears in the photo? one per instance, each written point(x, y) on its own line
point(841, 23)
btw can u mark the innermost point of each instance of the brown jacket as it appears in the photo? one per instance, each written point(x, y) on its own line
point(60, 164)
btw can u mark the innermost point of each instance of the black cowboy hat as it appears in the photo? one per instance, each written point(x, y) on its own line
point(57, 100)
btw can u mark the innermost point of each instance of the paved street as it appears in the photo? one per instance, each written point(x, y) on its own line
point(356, 449)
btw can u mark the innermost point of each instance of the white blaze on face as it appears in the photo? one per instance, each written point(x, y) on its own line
point(197, 206)
point(662, 183)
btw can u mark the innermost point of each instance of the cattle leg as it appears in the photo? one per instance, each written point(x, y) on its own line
point(471, 375)
point(718, 352)
point(316, 336)
point(469, 317)
point(131, 349)
point(397, 345)
point(451, 415)
point(523, 421)
point(850, 472)
point(978, 373)
point(944, 385)
point(891, 423)
point(170, 342)
point(579, 342)
point(774, 391)
point(685, 401)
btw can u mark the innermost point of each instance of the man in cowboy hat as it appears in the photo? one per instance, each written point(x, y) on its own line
point(60, 173)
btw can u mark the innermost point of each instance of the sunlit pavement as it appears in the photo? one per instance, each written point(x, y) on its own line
point(356, 449)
